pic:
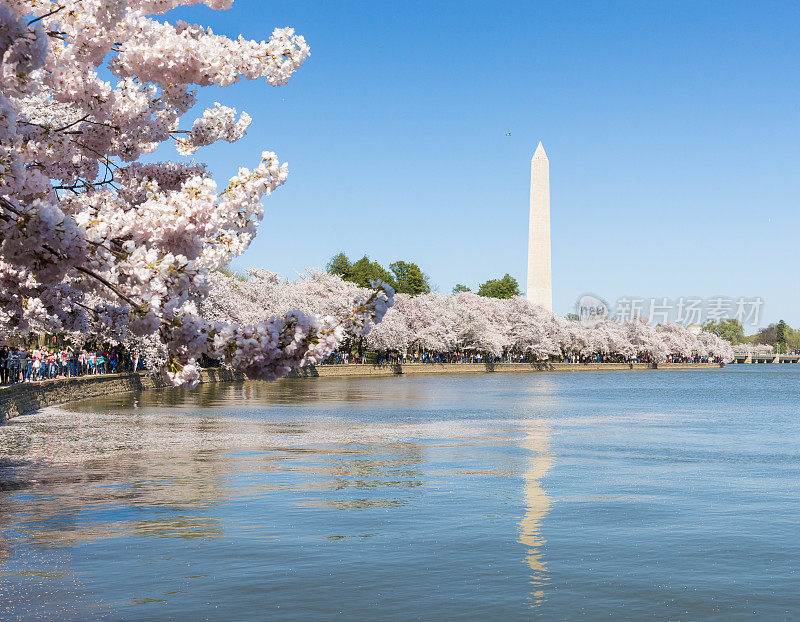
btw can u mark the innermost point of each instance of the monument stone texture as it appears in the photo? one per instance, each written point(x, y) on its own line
point(540, 288)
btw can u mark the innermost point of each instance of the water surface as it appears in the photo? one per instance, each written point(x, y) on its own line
point(663, 494)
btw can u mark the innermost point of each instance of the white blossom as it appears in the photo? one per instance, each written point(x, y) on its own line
point(94, 240)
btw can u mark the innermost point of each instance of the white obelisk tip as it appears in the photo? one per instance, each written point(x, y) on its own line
point(539, 153)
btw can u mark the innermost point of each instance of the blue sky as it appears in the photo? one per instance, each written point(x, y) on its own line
point(672, 128)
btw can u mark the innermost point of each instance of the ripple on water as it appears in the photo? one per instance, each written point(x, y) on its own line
point(666, 495)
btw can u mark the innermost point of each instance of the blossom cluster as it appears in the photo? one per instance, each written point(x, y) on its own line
point(468, 322)
point(217, 123)
point(270, 348)
point(93, 240)
point(463, 322)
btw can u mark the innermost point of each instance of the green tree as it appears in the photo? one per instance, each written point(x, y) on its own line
point(731, 330)
point(360, 272)
point(507, 287)
point(780, 336)
point(792, 338)
point(573, 317)
point(365, 271)
point(461, 288)
point(409, 278)
point(765, 335)
point(340, 264)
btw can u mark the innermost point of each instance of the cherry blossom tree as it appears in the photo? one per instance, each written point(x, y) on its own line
point(260, 294)
point(431, 321)
point(644, 340)
point(462, 322)
point(753, 348)
point(532, 330)
point(480, 323)
point(94, 238)
point(716, 347)
point(392, 334)
point(677, 340)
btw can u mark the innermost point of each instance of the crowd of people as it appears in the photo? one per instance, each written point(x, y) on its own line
point(394, 358)
point(25, 364)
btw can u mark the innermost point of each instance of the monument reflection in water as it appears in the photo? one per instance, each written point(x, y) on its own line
point(537, 504)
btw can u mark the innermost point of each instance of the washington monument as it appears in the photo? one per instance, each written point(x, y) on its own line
point(540, 288)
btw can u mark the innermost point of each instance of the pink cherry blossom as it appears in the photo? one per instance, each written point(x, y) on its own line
point(94, 240)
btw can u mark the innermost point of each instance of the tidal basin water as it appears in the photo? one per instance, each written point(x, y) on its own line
point(632, 495)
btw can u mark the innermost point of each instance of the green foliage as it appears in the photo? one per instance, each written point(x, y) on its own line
point(792, 339)
point(780, 335)
point(409, 278)
point(507, 287)
point(730, 330)
point(404, 276)
point(359, 272)
point(365, 271)
point(573, 317)
point(340, 264)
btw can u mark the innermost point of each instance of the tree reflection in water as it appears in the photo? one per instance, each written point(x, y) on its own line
point(276, 468)
point(88, 475)
point(68, 463)
point(253, 395)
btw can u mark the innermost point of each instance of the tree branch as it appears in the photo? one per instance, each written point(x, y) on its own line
point(53, 12)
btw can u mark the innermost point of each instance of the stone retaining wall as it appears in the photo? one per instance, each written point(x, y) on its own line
point(20, 399)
